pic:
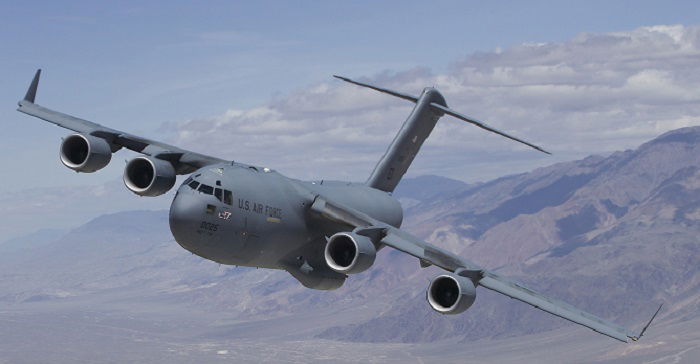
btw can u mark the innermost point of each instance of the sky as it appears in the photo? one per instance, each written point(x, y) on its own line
point(251, 81)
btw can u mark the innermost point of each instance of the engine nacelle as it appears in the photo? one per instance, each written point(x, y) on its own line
point(451, 294)
point(350, 253)
point(146, 176)
point(85, 153)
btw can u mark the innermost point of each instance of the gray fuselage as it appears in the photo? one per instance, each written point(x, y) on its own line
point(243, 215)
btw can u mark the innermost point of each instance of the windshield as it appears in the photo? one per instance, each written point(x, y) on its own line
point(223, 195)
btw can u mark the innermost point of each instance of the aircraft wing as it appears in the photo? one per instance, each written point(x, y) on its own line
point(429, 254)
point(183, 160)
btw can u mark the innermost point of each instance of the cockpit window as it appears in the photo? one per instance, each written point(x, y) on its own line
point(222, 195)
point(206, 189)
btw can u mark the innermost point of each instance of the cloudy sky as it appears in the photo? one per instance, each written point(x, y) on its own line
point(251, 82)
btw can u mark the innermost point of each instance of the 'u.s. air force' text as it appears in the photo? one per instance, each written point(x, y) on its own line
point(259, 208)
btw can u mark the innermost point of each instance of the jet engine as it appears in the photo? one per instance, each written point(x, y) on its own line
point(147, 176)
point(85, 153)
point(451, 294)
point(349, 253)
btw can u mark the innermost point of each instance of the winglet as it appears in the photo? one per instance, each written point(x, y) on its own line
point(31, 92)
point(636, 338)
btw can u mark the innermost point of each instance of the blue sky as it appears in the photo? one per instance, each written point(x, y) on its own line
point(141, 67)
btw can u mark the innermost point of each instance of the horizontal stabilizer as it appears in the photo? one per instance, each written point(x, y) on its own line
point(31, 92)
point(384, 90)
point(480, 124)
point(443, 109)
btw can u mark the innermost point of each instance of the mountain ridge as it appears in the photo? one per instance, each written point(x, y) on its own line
point(608, 234)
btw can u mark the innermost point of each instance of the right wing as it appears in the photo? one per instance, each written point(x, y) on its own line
point(429, 254)
point(184, 161)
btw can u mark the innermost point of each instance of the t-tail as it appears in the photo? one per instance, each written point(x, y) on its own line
point(430, 106)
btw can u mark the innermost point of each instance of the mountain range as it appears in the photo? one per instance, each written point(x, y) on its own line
point(615, 235)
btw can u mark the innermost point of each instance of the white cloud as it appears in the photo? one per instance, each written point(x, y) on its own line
point(595, 93)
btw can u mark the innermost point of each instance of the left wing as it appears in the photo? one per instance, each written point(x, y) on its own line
point(429, 254)
point(183, 160)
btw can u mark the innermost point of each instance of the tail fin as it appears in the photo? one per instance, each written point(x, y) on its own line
point(430, 106)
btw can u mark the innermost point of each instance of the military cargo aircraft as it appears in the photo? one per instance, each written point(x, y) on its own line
point(320, 232)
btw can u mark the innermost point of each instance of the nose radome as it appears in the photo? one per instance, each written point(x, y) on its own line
point(184, 217)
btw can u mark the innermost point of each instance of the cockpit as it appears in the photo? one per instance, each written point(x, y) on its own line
point(221, 194)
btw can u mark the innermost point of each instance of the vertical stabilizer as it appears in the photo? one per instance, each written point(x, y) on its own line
point(430, 106)
point(404, 148)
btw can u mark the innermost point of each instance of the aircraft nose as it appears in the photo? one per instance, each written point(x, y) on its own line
point(184, 217)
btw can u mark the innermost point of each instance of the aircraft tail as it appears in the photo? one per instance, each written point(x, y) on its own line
point(430, 106)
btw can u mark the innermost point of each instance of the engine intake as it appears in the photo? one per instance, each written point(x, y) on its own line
point(146, 176)
point(85, 153)
point(350, 253)
point(451, 294)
